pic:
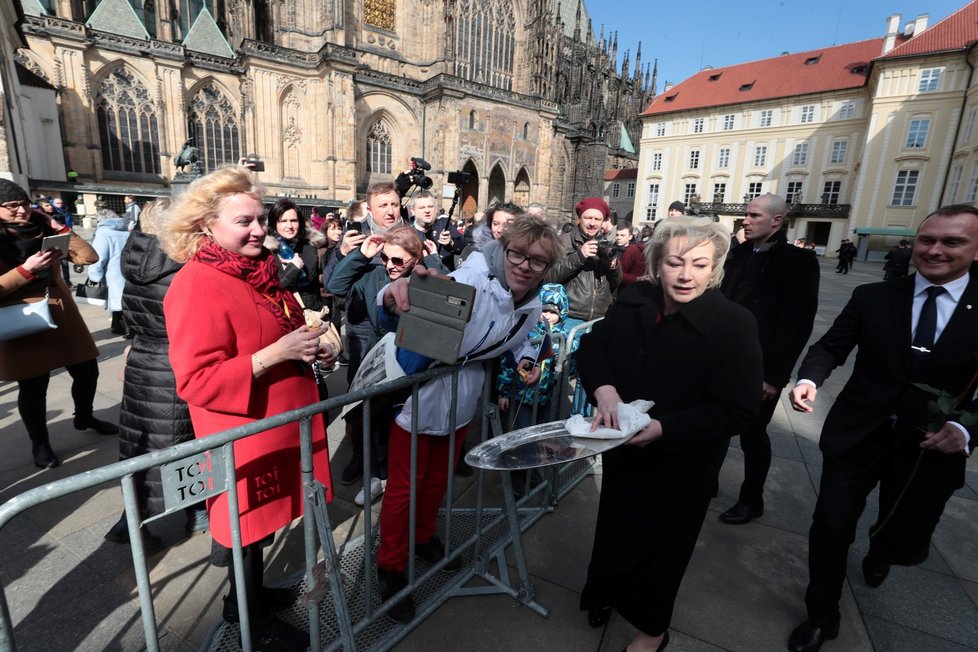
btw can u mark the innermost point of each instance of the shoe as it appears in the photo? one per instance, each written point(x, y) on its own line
point(44, 457)
point(99, 426)
point(462, 469)
point(119, 533)
point(377, 487)
point(662, 644)
point(392, 581)
point(808, 637)
point(197, 521)
point(272, 601)
point(351, 472)
point(342, 360)
point(272, 634)
point(874, 571)
point(432, 551)
point(741, 513)
point(598, 616)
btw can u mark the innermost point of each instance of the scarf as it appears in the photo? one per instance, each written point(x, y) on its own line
point(376, 229)
point(262, 275)
point(286, 251)
point(18, 242)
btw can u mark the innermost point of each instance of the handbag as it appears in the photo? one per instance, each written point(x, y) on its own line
point(23, 319)
point(94, 294)
point(316, 319)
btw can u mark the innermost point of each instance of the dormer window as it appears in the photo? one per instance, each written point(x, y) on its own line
point(747, 86)
point(811, 61)
point(715, 76)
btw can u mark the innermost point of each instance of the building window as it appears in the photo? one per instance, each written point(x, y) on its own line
point(719, 191)
point(660, 129)
point(728, 122)
point(970, 124)
point(526, 131)
point(847, 110)
point(630, 190)
point(760, 155)
point(694, 159)
point(930, 79)
point(688, 192)
point(723, 159)
point(214, 127)
point(698, 126)
point(766, 116)
point(379, 149)
point(127, 124)
point(657, 161)
point(185, 15)
point(473, 120)
point(754, 190)
point(485, 42)
point(905, 188)
point(831, 191)
point(653, 202)
point(801, 154)
point(615, 190)
point(952, 188)
point(973, 184)
point(793, 196)
point(917, 133)
point(808, 113)
point(840, 148)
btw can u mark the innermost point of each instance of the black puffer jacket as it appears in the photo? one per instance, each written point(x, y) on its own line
point(152, 415)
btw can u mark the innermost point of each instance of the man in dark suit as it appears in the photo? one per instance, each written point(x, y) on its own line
point(920, 329)
point(778, 283)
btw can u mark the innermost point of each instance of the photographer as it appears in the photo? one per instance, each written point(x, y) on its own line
point(588, 266)
point(438, 230)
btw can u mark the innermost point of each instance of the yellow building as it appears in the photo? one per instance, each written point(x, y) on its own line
point(335, 94)
point(864, 139)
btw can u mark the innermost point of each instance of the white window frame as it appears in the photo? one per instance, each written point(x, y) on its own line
point(688, 191)
point(800, 157)
point(755, 189)
point(969, 128)
point(656, 161)
point(905, 188)
point(615, 190)
point(794, 187)
point(760, 155)
point(808, 113)
point(723, 157)
point(728, 122)
point(840, 150)
point(952, 190)
point(930, 80)
point(837, 191)
point(653, 201)
point(630, 190)
point(917, 133)
point(694, 159)
point(847, 110)
point(698, 124)
point(719, 187)
point(766, 117)
point(660, 129)
point(973, 184)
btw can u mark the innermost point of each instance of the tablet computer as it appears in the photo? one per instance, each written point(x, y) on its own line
point(433, 327)
point(59, 242)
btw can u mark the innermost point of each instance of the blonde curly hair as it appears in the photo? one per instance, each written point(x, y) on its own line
point(193, 211)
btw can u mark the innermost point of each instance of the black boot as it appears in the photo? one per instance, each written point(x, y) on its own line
point(89, 422)
point(118, 324)
point(44, 457)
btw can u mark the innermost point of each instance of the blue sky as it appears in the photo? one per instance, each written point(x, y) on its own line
point(685, 36)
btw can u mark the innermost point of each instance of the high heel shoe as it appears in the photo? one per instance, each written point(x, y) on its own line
point(662, 644)
point(598, 616)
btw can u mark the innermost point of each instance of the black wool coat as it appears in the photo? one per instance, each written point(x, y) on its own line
point(152, 416)
point(702, 367)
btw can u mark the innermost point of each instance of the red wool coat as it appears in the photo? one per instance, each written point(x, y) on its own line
point(215, 323)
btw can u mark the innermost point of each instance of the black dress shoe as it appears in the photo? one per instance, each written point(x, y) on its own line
point(44, 457)
point(808, 637)
point(741, 513)
point(874, 571)
point(99, 426)
point(392, 581)
point(598, 616)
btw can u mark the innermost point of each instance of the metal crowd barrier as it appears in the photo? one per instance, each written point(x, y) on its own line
point(338, 613)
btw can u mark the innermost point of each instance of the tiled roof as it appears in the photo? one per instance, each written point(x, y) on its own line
point(117, 17)
point(206, 36)
point(626, 173)
point(828, 69)
point(956, 32)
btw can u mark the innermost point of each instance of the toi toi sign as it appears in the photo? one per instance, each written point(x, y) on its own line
point(193, 479)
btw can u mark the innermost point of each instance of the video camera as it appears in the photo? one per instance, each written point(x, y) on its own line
point(414, 177)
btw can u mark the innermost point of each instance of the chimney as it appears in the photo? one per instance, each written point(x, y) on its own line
point(666, 87)
point(920, 24)
point(892, 29)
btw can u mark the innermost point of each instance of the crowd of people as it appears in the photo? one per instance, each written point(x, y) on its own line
point(230, 305)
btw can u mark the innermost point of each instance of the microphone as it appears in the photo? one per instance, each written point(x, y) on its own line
point(420, 163)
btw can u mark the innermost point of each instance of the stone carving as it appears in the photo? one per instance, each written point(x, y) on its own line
point(189, 156)
point(380, 13)
point(291, 135)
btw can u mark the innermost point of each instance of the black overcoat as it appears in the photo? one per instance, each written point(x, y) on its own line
point(702, 367)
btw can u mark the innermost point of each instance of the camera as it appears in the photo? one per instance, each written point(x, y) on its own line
point(459, 178)
point(352, 225)
point(414, 177)
point(254, 164)
point(607, 251)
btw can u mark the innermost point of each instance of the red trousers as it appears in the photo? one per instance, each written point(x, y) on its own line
point(431, 481)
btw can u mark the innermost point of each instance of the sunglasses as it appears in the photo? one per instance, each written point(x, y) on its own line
point(395, 260)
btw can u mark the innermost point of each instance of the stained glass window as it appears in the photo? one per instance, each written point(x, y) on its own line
point(485, 42)
point(379, 148)
point(214, 127)
point(127, 124)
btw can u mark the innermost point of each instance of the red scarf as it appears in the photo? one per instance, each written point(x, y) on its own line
point(261, 274)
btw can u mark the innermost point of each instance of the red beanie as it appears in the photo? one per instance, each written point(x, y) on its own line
point(592, 202)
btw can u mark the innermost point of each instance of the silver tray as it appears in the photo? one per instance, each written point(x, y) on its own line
point(545, 444)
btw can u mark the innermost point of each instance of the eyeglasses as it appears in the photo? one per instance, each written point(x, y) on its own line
point(394, 260)
point(12, 206)
point(535, 264)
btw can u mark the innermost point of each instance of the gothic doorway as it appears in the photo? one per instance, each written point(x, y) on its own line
point(470, 191)
point(497, 186)
point(521, 189)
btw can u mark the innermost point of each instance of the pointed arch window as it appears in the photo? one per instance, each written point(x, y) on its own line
point(127, 124)
point(485, 42)
point(214, 128)
point(379, 148)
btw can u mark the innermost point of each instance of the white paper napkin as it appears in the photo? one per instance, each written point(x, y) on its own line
point(632, 417)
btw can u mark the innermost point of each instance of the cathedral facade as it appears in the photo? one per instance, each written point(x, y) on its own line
point(335, 94)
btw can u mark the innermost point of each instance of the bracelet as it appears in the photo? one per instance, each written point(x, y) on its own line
point(254, 356)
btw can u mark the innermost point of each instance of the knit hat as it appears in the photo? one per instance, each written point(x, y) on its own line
point(10, 191)
point(592, 202)
point(678, 206)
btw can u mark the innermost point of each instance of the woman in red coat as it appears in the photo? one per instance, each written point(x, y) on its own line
point(241, 351)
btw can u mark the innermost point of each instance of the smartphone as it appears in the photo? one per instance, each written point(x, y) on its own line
point(59, 242)
point(351, 225)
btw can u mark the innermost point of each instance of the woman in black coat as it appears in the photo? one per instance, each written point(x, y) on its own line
point(151, 416)
point(677, 341)
point(296, 246)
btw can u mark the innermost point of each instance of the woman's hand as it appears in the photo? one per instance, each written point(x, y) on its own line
point(647, 435)
point(430, 247)
point(42, 260)
point(351, 240)
point(606, 413)
point(372, 246)
point(301, 344)
point(297, 261)
point(326, 354)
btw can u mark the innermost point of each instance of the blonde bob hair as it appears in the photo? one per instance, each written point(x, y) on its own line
point(196, 209)
point(694, 231)
point(153, 216)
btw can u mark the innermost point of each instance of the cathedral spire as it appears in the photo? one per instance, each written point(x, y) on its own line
point(638, 62)
point(655, 76)
point(577, 23)
point(624, 65)
point(614, 50)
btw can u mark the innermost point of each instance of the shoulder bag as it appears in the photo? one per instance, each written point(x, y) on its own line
point(23, 319)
